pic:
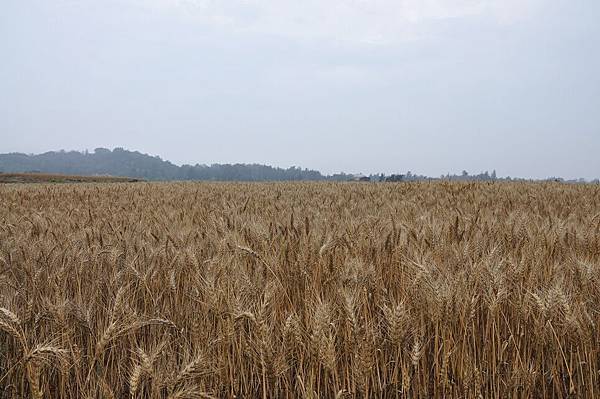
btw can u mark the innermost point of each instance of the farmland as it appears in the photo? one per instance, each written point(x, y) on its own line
point(60, 178)
point(189, 290)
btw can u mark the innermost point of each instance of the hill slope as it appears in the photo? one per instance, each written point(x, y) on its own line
point(120, 162)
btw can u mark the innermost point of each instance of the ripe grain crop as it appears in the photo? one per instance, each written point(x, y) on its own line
point(280, 290)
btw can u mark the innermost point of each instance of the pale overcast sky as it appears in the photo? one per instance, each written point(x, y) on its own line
point(431, 86)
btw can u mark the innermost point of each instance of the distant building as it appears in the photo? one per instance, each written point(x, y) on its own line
point(360, 177)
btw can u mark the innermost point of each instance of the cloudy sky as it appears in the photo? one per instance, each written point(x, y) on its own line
point(431, 86)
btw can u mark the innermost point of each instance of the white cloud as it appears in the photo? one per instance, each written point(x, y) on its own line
point(366, 21)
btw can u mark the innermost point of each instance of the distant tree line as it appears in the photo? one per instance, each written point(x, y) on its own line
point(121, 162)
point(409, 176)
point(464, 176)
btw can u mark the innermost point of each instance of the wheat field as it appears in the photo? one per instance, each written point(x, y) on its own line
point(310, 290)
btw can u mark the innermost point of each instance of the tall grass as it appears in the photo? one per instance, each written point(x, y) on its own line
point(187, 290)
